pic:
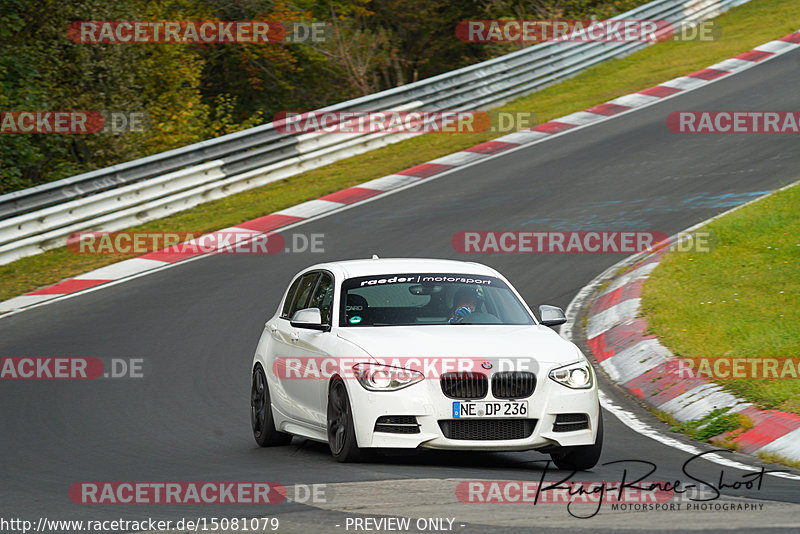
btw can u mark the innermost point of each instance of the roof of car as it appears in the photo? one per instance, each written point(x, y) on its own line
point(366, 267)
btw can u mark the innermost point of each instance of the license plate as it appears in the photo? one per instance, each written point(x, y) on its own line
point(490, 409)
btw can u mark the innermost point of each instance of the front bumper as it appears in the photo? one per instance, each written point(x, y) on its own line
point(429, 405)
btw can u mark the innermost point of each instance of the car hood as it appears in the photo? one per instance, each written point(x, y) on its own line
point(486, 342)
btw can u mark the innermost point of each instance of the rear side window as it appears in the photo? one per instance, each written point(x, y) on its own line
point(289, 297)
point(301, 295)
point(323, 297)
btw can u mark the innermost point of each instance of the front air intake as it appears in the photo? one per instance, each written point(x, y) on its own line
point(487, 429)
point(397, 424)
point(570, 422)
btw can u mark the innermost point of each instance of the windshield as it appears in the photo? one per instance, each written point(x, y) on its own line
point(429, 299)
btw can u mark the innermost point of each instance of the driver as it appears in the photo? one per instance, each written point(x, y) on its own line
point(465, 302)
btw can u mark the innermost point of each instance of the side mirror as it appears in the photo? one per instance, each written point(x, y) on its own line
point(309, 318)
point(552, 315)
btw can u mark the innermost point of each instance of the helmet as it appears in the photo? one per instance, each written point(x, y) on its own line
point(467, 294)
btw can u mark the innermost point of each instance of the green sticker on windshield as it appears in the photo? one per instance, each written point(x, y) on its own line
point(355, 319)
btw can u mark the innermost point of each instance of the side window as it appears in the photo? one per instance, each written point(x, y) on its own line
point(303, 293)
point(323, 297)
point(289, 297)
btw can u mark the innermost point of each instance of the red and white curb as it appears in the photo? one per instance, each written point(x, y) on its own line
point(417, 174)
point(617, 337)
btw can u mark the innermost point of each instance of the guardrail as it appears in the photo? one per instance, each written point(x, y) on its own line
point(40, 218)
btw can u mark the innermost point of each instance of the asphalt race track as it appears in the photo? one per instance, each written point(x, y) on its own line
point(196, 326)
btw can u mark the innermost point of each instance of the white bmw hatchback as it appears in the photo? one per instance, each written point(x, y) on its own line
point(407, 353)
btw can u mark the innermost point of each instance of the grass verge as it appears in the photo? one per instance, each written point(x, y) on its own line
point(714, 423)
point(742, 28)
point(718, 427)
point(741, 300)
point(778, 459)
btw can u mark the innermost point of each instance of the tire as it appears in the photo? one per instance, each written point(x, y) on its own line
point(583, 457)
point(341, 430)
point(261, 413)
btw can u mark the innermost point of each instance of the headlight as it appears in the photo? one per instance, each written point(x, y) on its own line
point(377, 377)
point(576, 375)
